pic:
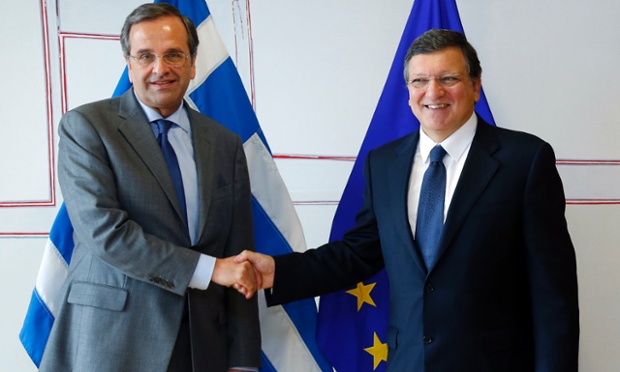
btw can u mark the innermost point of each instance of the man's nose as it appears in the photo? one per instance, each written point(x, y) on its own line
point(434, 88)
point(159, 65)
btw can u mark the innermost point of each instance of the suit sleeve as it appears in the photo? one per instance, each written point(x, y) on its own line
point(335, 265)
point(93, 166)
point(243, 324)
point(551, 267)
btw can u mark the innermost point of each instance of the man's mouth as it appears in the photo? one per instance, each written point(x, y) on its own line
point(436, 106)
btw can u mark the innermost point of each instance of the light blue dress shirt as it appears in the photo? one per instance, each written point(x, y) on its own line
point(180, 138)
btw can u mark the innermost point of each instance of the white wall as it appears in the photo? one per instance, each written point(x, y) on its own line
point(549, 67)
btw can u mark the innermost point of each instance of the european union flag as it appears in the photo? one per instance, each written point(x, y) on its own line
point(352, 325)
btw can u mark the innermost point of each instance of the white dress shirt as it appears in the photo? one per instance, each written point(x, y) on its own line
point(457, 147)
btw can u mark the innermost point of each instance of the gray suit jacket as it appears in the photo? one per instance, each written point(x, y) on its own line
point(124, 297)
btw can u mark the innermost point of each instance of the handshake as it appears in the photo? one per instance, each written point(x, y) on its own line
point(247, 272)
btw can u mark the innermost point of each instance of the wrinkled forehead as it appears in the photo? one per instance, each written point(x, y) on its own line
point(449, 60)
point(167, 32)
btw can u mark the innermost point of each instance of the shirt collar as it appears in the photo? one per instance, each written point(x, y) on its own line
point(455, 145)
point(179, 117)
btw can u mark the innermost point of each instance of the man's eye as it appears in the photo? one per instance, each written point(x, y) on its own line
point(449, 80)
point(146, 57)
point(174, 55)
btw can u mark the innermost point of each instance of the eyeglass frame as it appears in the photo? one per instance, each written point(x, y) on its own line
point(162, 57)
point(441, 80)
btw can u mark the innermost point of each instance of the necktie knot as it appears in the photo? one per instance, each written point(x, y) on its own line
point(163, 126)
point(437, 153)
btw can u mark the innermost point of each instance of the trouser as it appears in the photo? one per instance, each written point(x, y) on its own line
point(181, 360)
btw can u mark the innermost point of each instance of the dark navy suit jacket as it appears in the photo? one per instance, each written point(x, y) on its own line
point(502, 296)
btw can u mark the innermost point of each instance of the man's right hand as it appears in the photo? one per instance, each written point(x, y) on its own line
point(228, 272)
point(264, 267)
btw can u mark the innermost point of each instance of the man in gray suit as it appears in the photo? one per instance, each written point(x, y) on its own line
point(147, 285)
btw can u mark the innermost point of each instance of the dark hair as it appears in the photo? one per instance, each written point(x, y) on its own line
point(435, 40)
point(151, 11)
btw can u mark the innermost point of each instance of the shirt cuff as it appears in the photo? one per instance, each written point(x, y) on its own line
point(203, 273)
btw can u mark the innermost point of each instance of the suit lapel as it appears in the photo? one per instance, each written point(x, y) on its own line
point(205, 158)
point(478, 171)
point(137, 131)
point(399, 175)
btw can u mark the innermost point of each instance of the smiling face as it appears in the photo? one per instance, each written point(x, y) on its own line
point(447, 101)
point(158, 85)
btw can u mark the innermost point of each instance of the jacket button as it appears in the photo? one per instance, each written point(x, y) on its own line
point(429, 288)
point(427, 339)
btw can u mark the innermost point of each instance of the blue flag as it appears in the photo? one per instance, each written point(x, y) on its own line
point(352, 326)
point(288, 332)
point(44, 302)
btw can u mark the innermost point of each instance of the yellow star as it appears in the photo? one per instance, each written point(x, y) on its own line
point(378, 350)
point(362, 292)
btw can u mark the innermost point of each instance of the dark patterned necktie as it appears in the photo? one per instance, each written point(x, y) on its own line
point(431, 205)
point(172, 163)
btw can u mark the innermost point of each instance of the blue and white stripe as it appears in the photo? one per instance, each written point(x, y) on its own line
point(45, 299)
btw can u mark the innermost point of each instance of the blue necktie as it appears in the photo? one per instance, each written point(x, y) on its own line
point(172, 163)
point(431, 206)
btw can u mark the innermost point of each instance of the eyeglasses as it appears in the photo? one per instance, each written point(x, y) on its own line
point(447, 81)
point(172, 59)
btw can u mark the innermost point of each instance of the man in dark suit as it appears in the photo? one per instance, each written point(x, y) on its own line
point(497, 290)
point(146, 289)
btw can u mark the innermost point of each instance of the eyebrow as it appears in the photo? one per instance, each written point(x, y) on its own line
point(169, 50)
point(442, 73)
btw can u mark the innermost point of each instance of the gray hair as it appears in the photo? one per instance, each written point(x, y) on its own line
point(435, 40)
point(152, 11)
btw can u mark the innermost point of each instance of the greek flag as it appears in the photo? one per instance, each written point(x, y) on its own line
point(288, 331)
